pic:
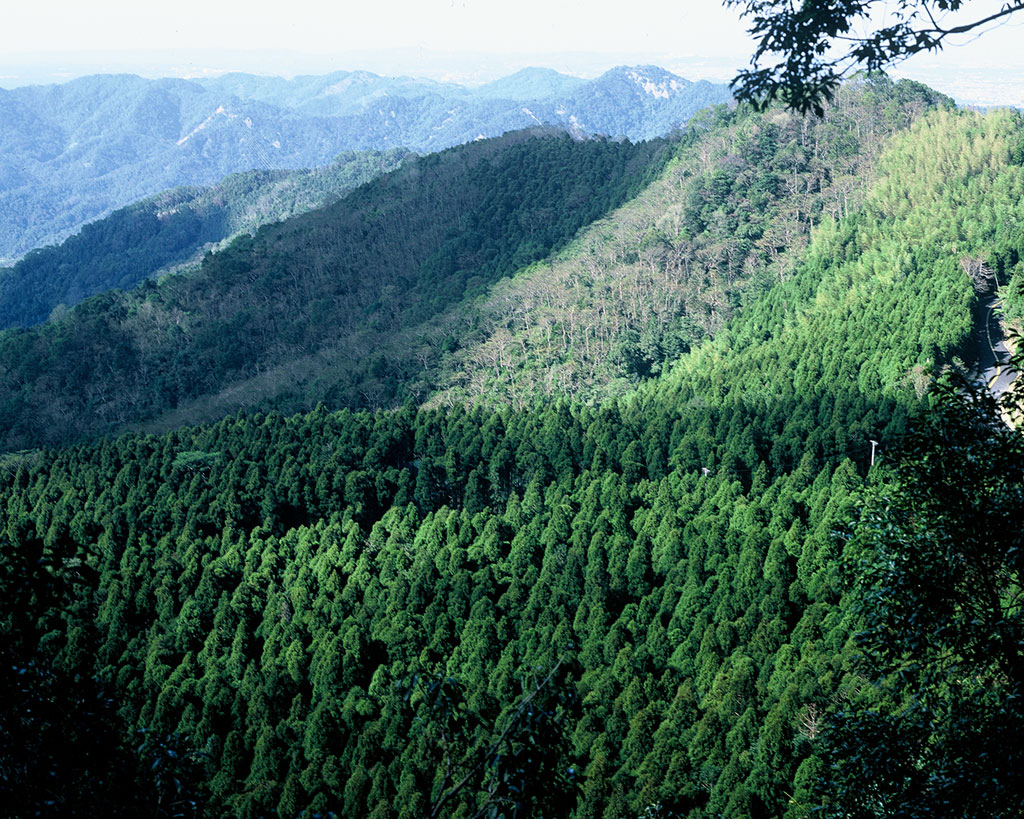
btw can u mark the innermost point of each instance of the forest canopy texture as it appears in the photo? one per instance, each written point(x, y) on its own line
point(679, 588)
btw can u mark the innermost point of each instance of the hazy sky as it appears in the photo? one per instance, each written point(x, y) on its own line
point(317, 26)
point(457, 39)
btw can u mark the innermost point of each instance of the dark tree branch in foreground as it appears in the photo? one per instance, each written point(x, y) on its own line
point(936, 561)
point(815, 43)
point(515, 766)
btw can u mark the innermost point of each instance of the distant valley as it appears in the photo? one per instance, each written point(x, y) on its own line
point(73, 152)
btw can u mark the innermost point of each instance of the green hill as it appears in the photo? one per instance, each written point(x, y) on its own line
point(634, 607)
point(320, 306)
point(172, 230)
point(725, 222)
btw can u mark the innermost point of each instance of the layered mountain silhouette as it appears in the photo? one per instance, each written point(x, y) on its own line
point(70, 153)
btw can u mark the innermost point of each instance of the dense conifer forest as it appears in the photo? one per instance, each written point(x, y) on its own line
point(666, 582)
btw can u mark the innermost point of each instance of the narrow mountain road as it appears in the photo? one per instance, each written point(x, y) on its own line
point(991, 354)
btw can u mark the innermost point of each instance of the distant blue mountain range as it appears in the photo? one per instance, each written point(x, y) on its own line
point(73, 152)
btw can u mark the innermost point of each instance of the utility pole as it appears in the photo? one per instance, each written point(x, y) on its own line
point(706, 471)
point(874, 443)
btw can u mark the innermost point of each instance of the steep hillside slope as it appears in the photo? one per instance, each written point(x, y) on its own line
point(330, 307)
point(170, 229)
point(388, 613)
point(308, 308)
point(725, 222)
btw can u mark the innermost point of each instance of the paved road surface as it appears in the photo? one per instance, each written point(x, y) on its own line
point(991, 353)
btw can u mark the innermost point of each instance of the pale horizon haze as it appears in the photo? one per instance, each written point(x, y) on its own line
point(466, 41)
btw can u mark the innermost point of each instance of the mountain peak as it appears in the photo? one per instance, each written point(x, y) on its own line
point(530, 83)
point(650, 79)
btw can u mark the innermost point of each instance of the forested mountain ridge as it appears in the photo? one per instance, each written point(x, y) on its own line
point(355, 612)
point(99, 143)
point(726, 220)
point(172, 229)
point(636, 102)
point(309, 308)
point(71, 153)
point(296, 315)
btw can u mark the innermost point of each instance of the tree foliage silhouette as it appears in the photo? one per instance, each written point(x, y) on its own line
point(816, 44)
point(939, 563)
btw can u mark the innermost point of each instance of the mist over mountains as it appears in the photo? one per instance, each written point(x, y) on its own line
point(73, 152)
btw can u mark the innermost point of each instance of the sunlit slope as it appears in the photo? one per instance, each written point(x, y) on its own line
point(725, 224)
point(881, 299)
